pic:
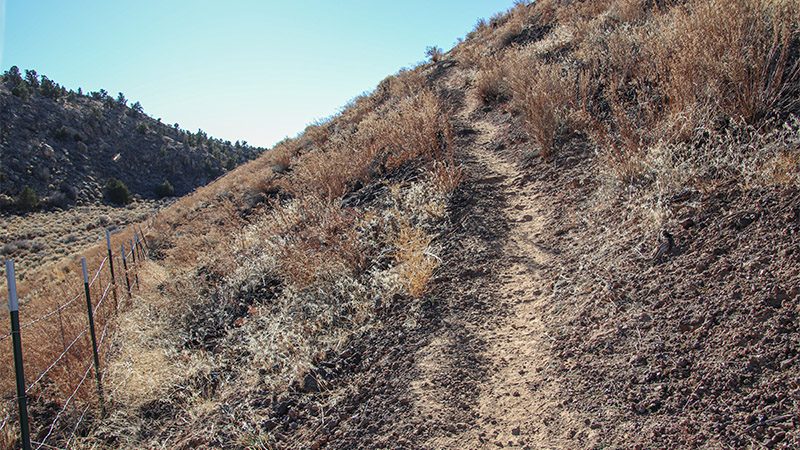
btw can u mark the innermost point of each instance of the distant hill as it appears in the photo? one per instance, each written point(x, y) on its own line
point(65, 146)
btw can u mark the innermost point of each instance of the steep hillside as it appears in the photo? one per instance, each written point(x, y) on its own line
point(576, 229)
point(66, 146)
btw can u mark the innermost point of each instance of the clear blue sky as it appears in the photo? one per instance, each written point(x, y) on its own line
point(238, 69)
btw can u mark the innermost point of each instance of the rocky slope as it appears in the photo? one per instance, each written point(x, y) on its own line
point(66, 146)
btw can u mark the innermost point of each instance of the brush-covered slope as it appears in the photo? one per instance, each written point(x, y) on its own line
point(65, 146)
point(464, 258)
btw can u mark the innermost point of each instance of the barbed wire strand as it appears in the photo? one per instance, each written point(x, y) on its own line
point(75, 430)
point(51, 313)
point(60, 357)
point(97, 274)
point(6, 420)
point(64, 408)
point(102, 298)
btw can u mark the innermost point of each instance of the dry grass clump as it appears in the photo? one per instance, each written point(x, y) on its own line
point(413, 128)
point(511, 24)
point(405, 83)
point(633, 74)
point(282, 158)
point(446, 176)
point(492, 81)
point(545, 94)
point(739, 57)
point(417, 128)
point(315, 239)
point(416, 263)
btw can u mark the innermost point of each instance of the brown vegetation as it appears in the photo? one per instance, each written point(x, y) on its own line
point(261, 279)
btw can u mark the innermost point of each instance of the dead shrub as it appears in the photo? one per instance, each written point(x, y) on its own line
point(510, 24)
point(282, 158)
point(314, 238)
point(407, 82)
point(417, 128)
point(446, 177)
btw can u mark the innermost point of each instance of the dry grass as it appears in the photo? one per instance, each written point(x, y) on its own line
point(649, 73)
point(416, 262)
point(315, 239)
point(733, 56)
point(329, 262)
point(492, 82)
point(545, 94)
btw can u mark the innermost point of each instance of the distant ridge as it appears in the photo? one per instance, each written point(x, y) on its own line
point(65, 145)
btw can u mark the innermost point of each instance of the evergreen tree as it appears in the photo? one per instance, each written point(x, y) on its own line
point(50, 89)
point(32, 78)
point(13, 76)
point(117, 192)
point(27, 199)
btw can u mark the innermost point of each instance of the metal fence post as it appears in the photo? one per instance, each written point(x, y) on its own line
point(111, 267)
point(125, 266)
point(144, 239)
point(135, 267)
point(22, 398)
point(138, 244)
point(93, 336)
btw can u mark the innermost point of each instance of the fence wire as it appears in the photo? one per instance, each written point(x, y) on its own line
point(7, 418)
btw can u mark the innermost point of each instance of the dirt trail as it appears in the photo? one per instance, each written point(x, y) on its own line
point(517, 403)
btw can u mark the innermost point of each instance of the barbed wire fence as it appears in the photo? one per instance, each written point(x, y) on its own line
point(61, 386)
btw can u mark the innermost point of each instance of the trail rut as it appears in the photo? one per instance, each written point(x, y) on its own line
point(517, 403)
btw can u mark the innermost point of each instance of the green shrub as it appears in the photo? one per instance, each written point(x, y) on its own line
point(165, 189)
point(117, 192)
point(22, 91)
point(27, 200)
